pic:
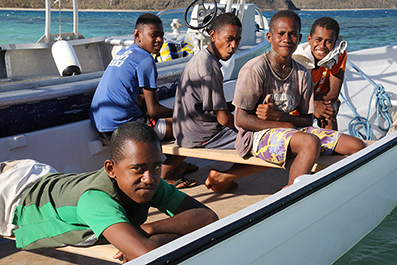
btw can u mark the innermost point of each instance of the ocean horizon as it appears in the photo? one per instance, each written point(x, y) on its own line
point(361, 28)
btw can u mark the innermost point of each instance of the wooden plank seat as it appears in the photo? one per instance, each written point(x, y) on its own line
point(230, 155)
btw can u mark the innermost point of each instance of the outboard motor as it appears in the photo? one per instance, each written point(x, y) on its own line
point(65, 58)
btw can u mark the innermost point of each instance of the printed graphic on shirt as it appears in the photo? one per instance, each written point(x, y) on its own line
point(118, 60)
point(321, 82)
point(284, 102)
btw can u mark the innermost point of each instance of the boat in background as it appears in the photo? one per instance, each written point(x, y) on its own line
point(34, 95)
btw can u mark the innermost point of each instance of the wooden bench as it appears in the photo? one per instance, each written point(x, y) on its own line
point(230, 155)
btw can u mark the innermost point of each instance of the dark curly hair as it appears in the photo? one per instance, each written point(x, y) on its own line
point(285, 14)
point(225, 19)
point(147, 18)
point(327, 23)
point(130, 131)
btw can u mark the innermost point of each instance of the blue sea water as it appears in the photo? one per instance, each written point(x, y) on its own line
point(360, 28)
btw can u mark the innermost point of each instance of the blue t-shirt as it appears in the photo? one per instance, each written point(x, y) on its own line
point(115, 99)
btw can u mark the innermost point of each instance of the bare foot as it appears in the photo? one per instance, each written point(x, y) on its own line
point(179, 181)
point(218, 181)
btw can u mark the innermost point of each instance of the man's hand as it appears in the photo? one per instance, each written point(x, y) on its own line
point(324, 110)
point(268, 111)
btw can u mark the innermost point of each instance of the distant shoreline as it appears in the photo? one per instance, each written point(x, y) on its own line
point(80, 9)
point(133, 10)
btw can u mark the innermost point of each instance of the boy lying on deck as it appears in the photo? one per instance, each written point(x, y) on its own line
point(271, 86)
point(43, 208)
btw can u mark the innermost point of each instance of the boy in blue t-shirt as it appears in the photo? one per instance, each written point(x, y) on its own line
point(128, 92)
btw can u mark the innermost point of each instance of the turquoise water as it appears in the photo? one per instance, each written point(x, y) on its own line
point(360, 28)
point(378, 248)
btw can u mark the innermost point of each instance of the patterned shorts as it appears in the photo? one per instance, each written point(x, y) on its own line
point(271, 145)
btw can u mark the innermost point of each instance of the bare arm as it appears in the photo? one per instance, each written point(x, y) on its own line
point(132, 242)
point(335, 85)
point(249, 121)
point(191, 215)
point(269, 116)
point(153, 106)
point(323, 102)
point(269, 113)
point(225, 118)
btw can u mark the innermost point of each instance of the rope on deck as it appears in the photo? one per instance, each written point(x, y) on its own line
point(382, 105)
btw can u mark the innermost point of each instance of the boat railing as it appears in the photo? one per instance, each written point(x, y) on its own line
point(125, 40)
point(47, 31)
point(262, 22)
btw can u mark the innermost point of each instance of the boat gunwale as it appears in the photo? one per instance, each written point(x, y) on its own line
point(224, 232)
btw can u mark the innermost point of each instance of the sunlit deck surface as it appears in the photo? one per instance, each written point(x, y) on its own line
point(251, 189)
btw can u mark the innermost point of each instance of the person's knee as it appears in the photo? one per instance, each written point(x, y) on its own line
point(313, 143)
point(306, 142)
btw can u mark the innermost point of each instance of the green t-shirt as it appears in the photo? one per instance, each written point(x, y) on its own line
point(74, 209)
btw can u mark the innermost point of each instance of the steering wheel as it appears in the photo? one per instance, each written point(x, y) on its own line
point(202, 14)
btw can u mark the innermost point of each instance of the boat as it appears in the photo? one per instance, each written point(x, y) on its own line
point(314, 221)
point(36, 100)
point(31, 75)
point(321, 216)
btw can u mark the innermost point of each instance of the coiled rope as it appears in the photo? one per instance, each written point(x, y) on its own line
point(382, 105)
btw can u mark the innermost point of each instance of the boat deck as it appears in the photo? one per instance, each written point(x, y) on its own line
point(251, 189)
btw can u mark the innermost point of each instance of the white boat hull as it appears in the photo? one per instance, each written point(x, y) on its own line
point(319, 218)
point(316, 228)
